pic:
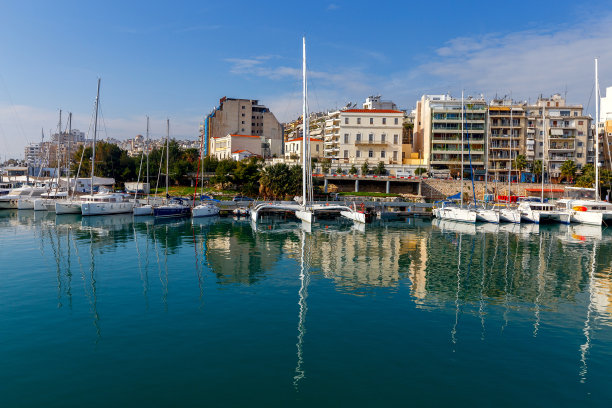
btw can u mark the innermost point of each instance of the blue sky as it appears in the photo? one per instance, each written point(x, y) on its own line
point(176, 59)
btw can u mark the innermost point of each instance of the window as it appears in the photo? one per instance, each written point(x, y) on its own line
point(358, 153)
point(395, 155)
point(384, 121)
point(358, 138)
point(541, 143)
point(579, 144)
point(580, 122)
point(371, 153)
point(371, 121)
point(578, 155)
point(371, 138)
point(575, 113)
point(242, 106)
point(243, 115)
point(395, 139)
point(346, 122)
point(382, 138)
point(346, 154)
point(317, 148)
point(382, 154)
point(243, 122)
point(359, 121)
point(396, 121)
point(346, 138)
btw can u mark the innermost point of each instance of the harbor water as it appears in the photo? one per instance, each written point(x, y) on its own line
point(121, 311)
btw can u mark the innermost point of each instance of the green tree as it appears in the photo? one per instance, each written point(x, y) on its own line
point(365, 168)
point(419, 171)
point(537, 169)
point(587, 176)
point(520, 163)
point(325, 165)
point(339, 170)
point(280, 181)
point(353, 170)
point(568, 170)
point(380, 169)
point(246, 176)
point(224, 172)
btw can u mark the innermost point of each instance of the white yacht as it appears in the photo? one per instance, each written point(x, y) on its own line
point(538, 212)
point(584, 208)
point(509, 214)
point(106, 203)
point(454, 213)
point(69, 206)
point(11, 200)
point(204, 210)
point(486, 215)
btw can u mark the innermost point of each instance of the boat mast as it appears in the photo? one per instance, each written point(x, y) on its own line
point(510, 155)
point(68, 152)
point(167, 152)
point(461, 174)
point(544, 146)
point(147, 149)
point(93, 153)
point(596, 132)
point(57, 156)
point(305, 133)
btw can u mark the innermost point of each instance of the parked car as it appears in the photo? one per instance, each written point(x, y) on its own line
point(241, 198)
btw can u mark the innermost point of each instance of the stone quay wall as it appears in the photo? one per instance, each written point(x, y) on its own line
point(438, 189)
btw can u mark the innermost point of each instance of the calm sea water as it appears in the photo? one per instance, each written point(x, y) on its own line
point(111, 311)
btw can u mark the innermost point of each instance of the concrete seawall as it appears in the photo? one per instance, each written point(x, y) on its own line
point(438, 189)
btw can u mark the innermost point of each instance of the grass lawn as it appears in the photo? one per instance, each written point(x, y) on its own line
point(186, 191)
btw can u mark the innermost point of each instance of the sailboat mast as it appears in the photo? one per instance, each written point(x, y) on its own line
point(510, 155)
point(57, 156)
point(305, 134)
point(68, 152)
point(147, 149)
point(167, 151)
point(596, 131)
point(544, 146)
point(461, 174)
point(95, 132)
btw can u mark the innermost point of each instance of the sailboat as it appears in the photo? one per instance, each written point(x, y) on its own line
point(305, 213)
point(205, 208)
point(174, 206)
point(102, 203)
point(139, 208)
point(538, 212)
point(584, 204)
point(452, 212)
point(510, 214)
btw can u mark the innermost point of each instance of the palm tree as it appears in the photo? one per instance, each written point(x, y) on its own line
point(520, 163)
point(568, 169)
point(537, 168)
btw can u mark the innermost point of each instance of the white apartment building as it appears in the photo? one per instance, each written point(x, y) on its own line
point(605, 107)
point(358, 135)
point(438, 135)
point(228, 146)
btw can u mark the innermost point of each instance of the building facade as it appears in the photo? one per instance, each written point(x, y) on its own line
point(439, 120)
point(227, 146)
point(359, 135)
point(507, 128)
point(293, 148)
point(564, 134)
point(243, 117)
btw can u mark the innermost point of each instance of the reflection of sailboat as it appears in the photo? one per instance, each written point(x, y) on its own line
point(585, 348)
point(455, 226)
point(303, 295)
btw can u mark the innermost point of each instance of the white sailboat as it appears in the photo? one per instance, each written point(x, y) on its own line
point(584, 204)
point(508, 213)
point(538, 212)
point(139, 208)
point(205, 208)
point(452, 212)
point(102, 203)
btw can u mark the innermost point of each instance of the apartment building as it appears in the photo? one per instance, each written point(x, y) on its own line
point(564, 134)
point(243, 117)
point(230, 146)
point(438, 124)
point(359, 135)
point(507, 128)
point(293, 148)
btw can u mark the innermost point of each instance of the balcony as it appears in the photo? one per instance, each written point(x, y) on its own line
point(372, 143)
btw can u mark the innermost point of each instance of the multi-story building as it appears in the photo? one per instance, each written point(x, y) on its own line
point(438, 124)
point(293, 148)
point(225, 147)
point(507, 126)
point(563, 135)
point(243, 117)
point(33, 155)
point(359, 135)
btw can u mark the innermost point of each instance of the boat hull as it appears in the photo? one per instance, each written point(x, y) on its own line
point(143, 210)
point(67, 207)
point(491, 216)
point(355, 216)
point(171, 211)
point(456, 214)
point(204, 211)
point(25, 204)
point(587, 217)
point(94, 208)
point(510, 215)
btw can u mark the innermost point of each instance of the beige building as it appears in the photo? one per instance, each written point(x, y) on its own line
point(293, 148)
point(228, 146)
point(437, 133)
point(359, 135)
point(244, 117)
point(507, 128)
point(567, 135)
